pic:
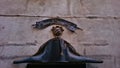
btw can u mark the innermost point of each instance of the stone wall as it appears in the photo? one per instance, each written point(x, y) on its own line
point(99, 19)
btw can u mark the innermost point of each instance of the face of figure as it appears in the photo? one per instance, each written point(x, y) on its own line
point(57, 31)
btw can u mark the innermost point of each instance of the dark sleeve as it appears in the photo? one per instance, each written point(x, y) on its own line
point(72, 49)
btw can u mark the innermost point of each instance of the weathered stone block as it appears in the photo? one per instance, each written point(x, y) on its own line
point(99, 31)
point(76, 8)
point(102, 8)
point(11, 52)
point(99, 50)
point(47, 7)
point(34, 7)
point(12, 7)
point(16, 29)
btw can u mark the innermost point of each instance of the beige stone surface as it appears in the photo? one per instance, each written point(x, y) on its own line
point(102, 8)
point(101, 36)
point(16, 30)
point(16, 51)
point(77, 8)
point(99, 31)
point(34, 7)
point(47, 7)
point(12, 7)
